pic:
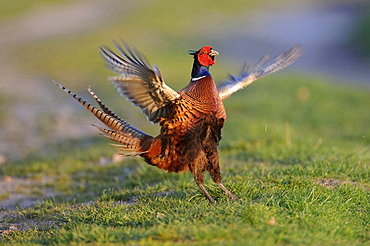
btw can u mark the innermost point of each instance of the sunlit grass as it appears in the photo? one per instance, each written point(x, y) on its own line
point(302, 179)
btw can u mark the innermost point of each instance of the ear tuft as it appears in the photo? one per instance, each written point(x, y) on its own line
point(192, 52)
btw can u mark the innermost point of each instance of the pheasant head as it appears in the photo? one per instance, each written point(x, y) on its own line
point(203, 59)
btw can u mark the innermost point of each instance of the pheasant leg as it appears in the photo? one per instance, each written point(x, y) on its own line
point(231, 195)
point(206, 193)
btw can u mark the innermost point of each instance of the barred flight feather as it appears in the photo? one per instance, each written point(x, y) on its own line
point(248, 76)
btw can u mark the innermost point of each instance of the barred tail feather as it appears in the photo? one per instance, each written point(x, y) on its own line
point(128, 145)
point(103, 107)
point(133, 140)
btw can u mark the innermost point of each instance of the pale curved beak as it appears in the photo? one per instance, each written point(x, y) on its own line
point(213, 53)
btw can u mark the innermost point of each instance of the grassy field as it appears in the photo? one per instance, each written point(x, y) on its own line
point(295, 150)
point(10, 9)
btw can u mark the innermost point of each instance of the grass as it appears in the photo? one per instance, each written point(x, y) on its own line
point(298, 163)
point(10, 9)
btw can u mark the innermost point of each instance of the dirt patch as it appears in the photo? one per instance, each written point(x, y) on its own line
point(18, 192)
point(8, 228)
point(332, 183)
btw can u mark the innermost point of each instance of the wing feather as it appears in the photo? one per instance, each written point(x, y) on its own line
point(248, 75)
point(140, 83)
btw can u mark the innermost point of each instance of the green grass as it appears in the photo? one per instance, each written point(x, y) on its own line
point(11, 9)
point(295, 151)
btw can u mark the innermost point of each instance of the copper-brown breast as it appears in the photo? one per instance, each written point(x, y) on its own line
point(204, 97)
point(198, 100)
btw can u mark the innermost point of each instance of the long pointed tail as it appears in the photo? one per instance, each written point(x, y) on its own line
point(131, 140)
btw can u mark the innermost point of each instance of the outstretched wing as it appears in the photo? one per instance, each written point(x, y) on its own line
point(248, 76)
point(140, 83)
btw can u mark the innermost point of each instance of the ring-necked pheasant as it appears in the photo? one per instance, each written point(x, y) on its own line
point(190, 120)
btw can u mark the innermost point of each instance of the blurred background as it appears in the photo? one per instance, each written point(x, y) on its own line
point(59, 40)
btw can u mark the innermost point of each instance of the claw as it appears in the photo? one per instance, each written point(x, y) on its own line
point(230, 195)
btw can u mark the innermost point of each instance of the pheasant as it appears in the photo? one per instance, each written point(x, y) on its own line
point(191, 119)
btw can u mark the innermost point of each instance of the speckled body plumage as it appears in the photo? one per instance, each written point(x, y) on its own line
point(191, 120)
point(193, 126)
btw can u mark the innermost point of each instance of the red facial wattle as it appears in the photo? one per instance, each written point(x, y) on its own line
point(204, 57)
